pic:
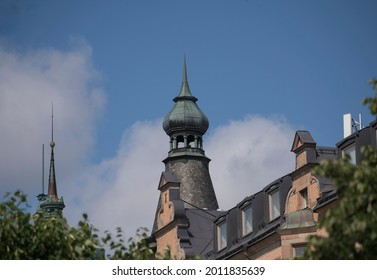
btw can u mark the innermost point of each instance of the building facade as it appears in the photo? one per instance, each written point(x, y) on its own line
point(273, 223)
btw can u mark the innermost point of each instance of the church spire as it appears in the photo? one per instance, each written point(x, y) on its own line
point(52, 190)
point(50, 203)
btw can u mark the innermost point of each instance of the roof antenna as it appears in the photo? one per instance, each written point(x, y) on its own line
point(350, 125)
point(357, 124)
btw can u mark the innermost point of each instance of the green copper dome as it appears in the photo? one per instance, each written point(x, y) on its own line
point(185, 115)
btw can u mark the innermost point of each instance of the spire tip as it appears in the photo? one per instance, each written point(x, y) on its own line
point(184, 70)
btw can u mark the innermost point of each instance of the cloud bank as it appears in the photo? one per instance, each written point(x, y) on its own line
point(29, 83)
point(247, 155)
point(120, 191)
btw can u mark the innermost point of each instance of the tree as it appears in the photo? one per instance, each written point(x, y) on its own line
point(27, 237)
point(351, 226)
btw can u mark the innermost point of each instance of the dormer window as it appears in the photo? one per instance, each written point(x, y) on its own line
point(274, 204)
point(221, 235)
point(351, 152)
point(247, 220)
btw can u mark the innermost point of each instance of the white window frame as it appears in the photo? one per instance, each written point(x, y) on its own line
point(222, 241)
point(247, 220)
point(351, 151)
point(274, 210)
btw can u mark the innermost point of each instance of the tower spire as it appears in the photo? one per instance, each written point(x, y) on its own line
point(52, 190)
point(185, 92)
point(50, 203)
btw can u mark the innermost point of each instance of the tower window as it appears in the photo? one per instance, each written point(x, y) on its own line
point(274, 204)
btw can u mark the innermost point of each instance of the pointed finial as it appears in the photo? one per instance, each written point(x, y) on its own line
point(184, 80)
point(52, 144)
point(185, 89)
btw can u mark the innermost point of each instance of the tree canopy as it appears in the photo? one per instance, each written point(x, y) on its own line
point(30, 237)
point(351, 226)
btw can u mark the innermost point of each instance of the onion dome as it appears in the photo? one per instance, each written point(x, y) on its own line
point(185, 115)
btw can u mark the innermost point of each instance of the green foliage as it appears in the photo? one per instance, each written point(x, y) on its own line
point(23, 236)
point(139, 247)
point(352, 225)
point(372, 101)
point(27, 237)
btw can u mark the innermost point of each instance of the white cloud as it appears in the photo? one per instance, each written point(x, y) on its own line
point(29, 83)
point(121, 191)
point(247, 155)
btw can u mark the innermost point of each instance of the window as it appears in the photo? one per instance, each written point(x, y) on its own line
point(221, 236)
point(298, 250)
point(351, 151)
point(274, 204)
point(247, 220)
point(304, 198)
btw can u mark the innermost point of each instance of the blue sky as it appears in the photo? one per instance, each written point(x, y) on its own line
point(260, 69)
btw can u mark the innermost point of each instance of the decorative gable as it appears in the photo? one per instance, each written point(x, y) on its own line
point(304, 147)
point(168, 179)
point(302, 139)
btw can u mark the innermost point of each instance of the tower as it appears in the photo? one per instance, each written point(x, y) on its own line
point(186, 124)
point(50, 203)
point(187, 204)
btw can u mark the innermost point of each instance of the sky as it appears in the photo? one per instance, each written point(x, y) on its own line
point(261, 70)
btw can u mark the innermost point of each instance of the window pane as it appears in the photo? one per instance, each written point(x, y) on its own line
point(298, 250)
point(274, 205)
point(221, 236)
point(247, 220)
point(351, 151)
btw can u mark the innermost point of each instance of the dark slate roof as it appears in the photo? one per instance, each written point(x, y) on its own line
point(262, 226)
point(328, 192)
point(326, 153)
point(200, 231)
point(305, 137)
point(170, 177)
